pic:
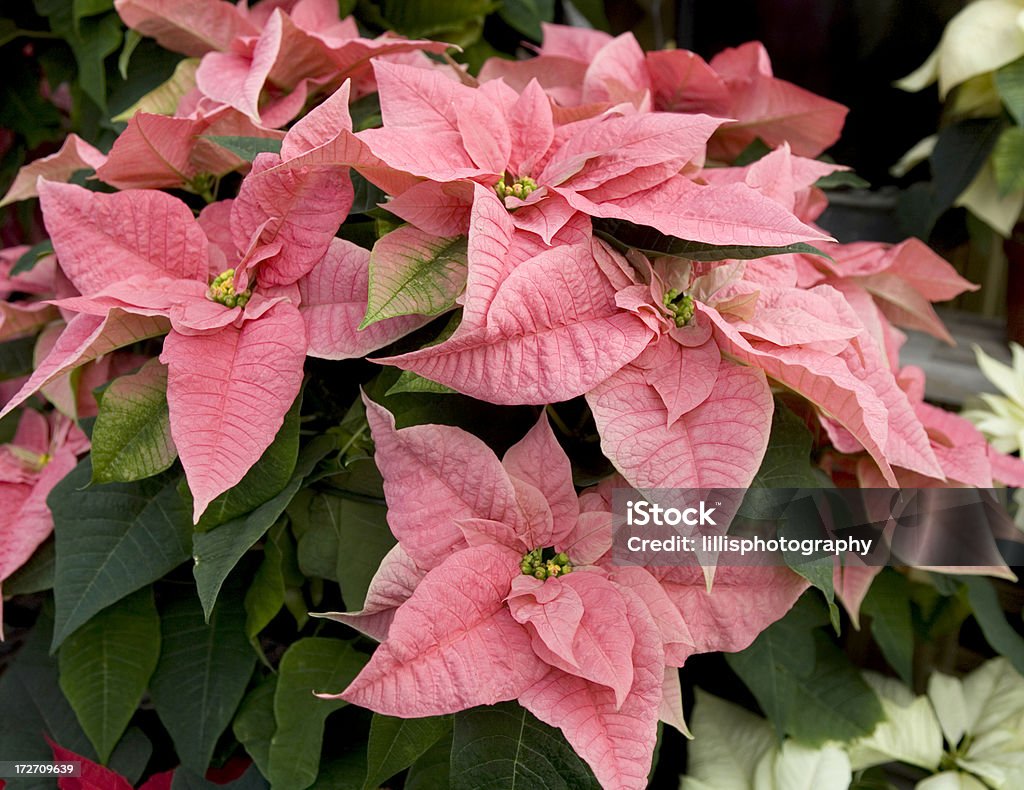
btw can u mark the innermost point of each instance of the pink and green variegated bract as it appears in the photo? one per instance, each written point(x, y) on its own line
point(590, 648)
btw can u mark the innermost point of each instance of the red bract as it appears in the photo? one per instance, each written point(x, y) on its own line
point(500, 588)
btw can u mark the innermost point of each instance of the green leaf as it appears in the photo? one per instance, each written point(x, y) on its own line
point(27, 262)
point(131, 438)
point(395, 744)
point(164, 99)
point(113, 540)
point(593, 11)
point(218, 551)
point(84, 8)
point(507, 746)
point(186, 779)
point(426, 19)
point(413, 382)
point(787, 462)
point(432, 771)
point(423, 274)
point(247, 148)
point(277, 574)
point(97, 39)
point(202, 675)
point(358, 533)
point(23, 110)
point(344, 772)
point(265, 480)
point(526, 15)
point(310, 665)
point(131, 40)
point(842, 178)
point(1010, 84)
point(623, 234)
point(1008, 160)
point(16, 357)
point(804, 683)
point(132, 754)
point(106, 665)
point(981, 595)
point(254, 725)
point(366, 195)
point(888, 605)
point(755, 150)
point(36, 575)
point(800, 521)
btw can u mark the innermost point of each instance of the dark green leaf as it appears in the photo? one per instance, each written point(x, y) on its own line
point(132, 39)
point(186, 779)
point(1008, 160)
point(801, 521)
point(16, 358)
point(757, 149)
point(131, 439)
point(888, 605)
point(413, 382)
point(959, 154)
point(1010, 84)
point(254, 726)
point(35, 575)
point(432, 771)
point(367, 195)
point(593, 11)
point(218, 551)
point(28, 260)
point(265, 480)
point(105, 667)
point(426, 19)
point(395, 744)
point(804, 683)
point(203, 672)
point(625, 234)
point(131, 755)
point(842, 178)
point(344, 772)
point(526, 15)
point(310, 665)
point(506, 746)
point(277, 574)
point(112, 540)
point(248, 148)
point(84, 8)
point(23, 110)
point(981, 594)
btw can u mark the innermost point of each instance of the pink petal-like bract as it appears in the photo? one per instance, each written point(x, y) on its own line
point(226, 411)
point(334, 303)
point(75, 154)
point(453, 644)
point(101, 239)
point(192, 27)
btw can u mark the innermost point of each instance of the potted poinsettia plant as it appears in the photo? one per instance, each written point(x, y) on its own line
point(339, 327)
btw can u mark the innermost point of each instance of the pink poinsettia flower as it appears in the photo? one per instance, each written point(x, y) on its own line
point(633, 166)
point(265, 62)
point(516, 564)
point(29, 313)
point(43, 451)
point(590, 70)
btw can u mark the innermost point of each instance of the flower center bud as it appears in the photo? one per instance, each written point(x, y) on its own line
point(222, 290)
point(680, 305)
point(519, 188)
point(545, 563)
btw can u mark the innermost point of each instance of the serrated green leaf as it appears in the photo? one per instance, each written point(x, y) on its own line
point(311, 665)
point(131, 438)
point(526, 15)
point(505, 746)
point(247, 148)
point(28, 260)
point(623, 234)
point(254, 725)
point(113, 540)
point(414, 273)
point(218, 551)
point(984, 602)
point(203, 672)
point(395, 744)
point(1010, 84)
point(106, 665)
point(888, 605)
point(804, 683)
point(1008, 160)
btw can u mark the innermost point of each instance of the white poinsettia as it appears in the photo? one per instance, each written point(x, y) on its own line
point(985, 36)
point(1001, 417)
point(733, 749)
